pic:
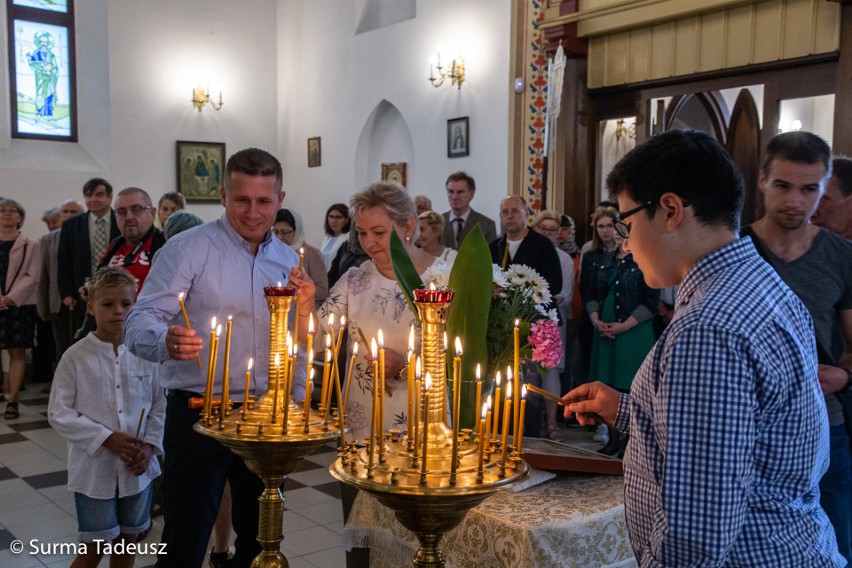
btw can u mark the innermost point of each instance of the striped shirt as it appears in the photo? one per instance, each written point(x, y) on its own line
point(728, 429)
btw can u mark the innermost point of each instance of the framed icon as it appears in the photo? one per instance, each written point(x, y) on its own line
point(200, 167)
point(394, 172)
point(314, 152)
point(458, 137)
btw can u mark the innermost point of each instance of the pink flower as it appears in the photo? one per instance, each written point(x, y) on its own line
point(545, 342)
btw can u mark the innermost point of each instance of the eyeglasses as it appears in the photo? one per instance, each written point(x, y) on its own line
point(283, 232)
point(546, 229)
point(8, 210)
point(134, 210)
point(623, 229)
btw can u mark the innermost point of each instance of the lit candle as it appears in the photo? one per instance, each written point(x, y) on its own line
point(349, 377)
point(186, 320)
point(487, 440)
point(381, 394)
point(326, 369)
point(310, 340)
point(519, 436)
point(456, 410)
point(307, 406)
point(288, 374)
point(301, 257)
point(516, 372)
point(478, 385)
point(246, 393)
point(411, 395)
point(496, 410)
point(417, 384)
point(275, 390)
point(427, 386)
point(507, 409)
point(208, 392)
point(215, 359)
point(374, 350)
point(341, 410)
point(483, 420)
point(226, 372)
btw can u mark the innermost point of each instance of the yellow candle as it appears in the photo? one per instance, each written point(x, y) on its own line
point(285, 417)
point(496, 411)
point(290, 370)
point(381, 429)
point(208, 388)
point(374, 351)
point(301, 257)
point(310, 342)
point(427, 386)
point(454, 456)
point(483, 420)
point(488, 423)
point(186, 320)
point(417, 385)
point(519, 436)
point(326, 368)
point(307, 406)
point(226, 374)
point(507, 409)
point(349, 377)
point(215, 359)
point(275, 390)
point(410, 384)
point(478, 385)
point(516, 388)
point(246, 393)
point(341, 411)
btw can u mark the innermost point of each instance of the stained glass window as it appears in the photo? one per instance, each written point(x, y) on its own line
point(42, 69)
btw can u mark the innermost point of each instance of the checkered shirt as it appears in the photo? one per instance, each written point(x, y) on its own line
point(728, 429)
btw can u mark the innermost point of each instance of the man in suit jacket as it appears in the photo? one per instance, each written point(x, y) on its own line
point(82, 241)
point(520, 245)
point(460, 190)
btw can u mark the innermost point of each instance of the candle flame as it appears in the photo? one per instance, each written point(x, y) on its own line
point(488, 402)
point(524, 392)
point(381, 340)
point(251, 363)
point(432, 286)
point(311, 324)
point(478, 372)
point(279, 284)
point(213, 324)
point(508, 374)
point(342, 321)
point(355, 349)
point(498, 379)
point(417, 369)
point(517, 322)
point(277, 360)
point(330, 320)
point(301, 251)
point(294, 350)
point(311, 355)
point(484, 410)
point(458, 347)
point(373, 348)
point(428, 383)
point(289, 342)
point(328, 340)
point(508, 391)
point(446, 344)
point(312, 374)
point(328, 355)
point(218, 330)
point(411, 339)
point(230, 318)
point(180, 296)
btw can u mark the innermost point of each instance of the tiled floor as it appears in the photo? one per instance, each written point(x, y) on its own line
point(35, 503)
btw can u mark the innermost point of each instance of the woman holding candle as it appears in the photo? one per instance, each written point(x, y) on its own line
point(289, 228)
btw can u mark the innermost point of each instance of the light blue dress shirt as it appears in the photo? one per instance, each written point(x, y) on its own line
point(215, 268)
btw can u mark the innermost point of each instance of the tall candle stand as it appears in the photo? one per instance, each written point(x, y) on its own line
point(425, 497)
point(274, 434)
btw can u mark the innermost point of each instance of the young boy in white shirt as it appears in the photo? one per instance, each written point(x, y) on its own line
point(108, 405)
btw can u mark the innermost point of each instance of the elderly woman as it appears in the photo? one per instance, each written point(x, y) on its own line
point(336, 225)
point(169, 203)
point(288, 227)
point(431, 229)
point(20, 265)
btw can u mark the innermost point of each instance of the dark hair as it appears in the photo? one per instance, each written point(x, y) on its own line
point(461, 176)
point(797, 146)
point(688, 163)
point(841, 168)
point(284, 216)
point(21, 211)
point(90, 186)
point(254, 162)
point(174, 197)
point(343, 210)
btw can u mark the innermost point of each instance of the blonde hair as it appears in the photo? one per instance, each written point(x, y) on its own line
point(388, 196)
point(547, 215)
point(435, 220)
point(109, 277)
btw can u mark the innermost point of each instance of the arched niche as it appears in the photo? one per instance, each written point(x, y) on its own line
point(384, 138)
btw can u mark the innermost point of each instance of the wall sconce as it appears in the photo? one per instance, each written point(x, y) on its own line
point(200, 97)
point(455, 73)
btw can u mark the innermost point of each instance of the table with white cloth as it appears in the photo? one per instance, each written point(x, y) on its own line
point(572, 520)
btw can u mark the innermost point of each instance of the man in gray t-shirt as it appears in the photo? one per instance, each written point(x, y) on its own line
point(817, 265)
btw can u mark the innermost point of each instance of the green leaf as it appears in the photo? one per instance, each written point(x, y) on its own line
point(406, 273)
point(471, 279)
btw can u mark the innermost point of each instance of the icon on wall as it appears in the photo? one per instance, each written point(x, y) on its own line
point(394, 172)
point(458, 137)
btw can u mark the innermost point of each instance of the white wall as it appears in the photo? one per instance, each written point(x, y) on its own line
point(331, 80)
point(137, 65)
point(289, 70)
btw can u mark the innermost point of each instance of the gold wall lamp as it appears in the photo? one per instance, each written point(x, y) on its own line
point(455, 73)
point(200, 97)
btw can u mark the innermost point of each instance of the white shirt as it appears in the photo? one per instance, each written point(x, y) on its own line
point(330, 246)
point(94, 394)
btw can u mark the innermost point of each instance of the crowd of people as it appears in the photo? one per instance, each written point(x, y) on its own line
point(688, 354)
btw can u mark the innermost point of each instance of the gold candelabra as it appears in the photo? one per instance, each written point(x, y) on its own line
point(432, 474)
point(273, 434)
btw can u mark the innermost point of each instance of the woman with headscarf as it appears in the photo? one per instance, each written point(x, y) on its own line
point(20, 267)
point(289, 228)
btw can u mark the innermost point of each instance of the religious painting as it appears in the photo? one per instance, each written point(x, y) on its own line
point(458, 137)
point(314, 152)
point(200, 167)
point(394, 172)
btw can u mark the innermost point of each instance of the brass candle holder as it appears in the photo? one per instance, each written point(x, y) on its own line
point(273, 434)
point(427, 498)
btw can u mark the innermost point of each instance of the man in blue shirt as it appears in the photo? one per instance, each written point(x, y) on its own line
point(222, 267)
point(728, 429)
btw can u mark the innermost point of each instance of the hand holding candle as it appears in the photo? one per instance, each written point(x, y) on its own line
point(186, 320)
